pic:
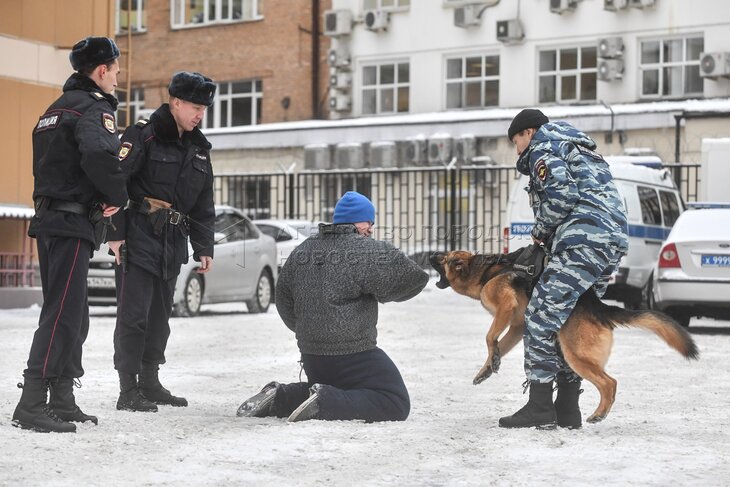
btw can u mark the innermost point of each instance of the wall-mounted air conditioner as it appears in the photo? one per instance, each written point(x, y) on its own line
point(317, 157)
point(338, 57)
point(383, 154)
point(510, 31)
point(340, 80)
point(340, 102)
point(413, 152)
point(468, 15)
point(376, 20)
point(439, 149)
point(642, 3)
point(614, 5)
point(337, 23)
point(610, 69)
point(610, 47)
point(563, 6)
point(349, 156)
point(465, 148)
point(714, 64)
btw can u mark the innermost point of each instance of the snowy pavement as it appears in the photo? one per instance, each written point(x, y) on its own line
point(670, 424)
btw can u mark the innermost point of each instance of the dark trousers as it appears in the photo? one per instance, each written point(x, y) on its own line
point(144, 305)
point(365, 385)
point(64, 320)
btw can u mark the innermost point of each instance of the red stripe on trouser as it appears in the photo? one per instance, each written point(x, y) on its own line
point(60, 310)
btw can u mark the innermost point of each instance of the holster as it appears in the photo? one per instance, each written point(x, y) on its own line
point(531, 263)
point(158, 220)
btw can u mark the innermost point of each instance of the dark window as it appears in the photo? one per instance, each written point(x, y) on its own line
point(670, 207)
point(651, 213)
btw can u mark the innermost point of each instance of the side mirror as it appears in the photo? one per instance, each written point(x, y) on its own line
point(220, 237)
point(283, 237)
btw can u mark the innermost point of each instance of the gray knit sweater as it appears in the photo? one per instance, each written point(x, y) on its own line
point(330, 286)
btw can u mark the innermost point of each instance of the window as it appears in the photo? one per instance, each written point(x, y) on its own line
point(236, 104)
point(131, 12)
point(567, 75)
point(670, 207)
point(472, 82)
point(186, 13)
point(386, 4)
point(135, 104)
point(651, 213)
point(670, 68)
point(385, 88)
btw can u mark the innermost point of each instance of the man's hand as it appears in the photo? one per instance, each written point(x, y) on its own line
point(109, 210)
point(114, 245)
point(206, 263)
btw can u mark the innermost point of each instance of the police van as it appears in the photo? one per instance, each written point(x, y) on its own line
point(653, 204)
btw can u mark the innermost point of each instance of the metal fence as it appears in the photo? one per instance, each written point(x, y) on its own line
point(420, 210)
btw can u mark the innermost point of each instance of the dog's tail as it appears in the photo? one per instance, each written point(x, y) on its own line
point(666, 328)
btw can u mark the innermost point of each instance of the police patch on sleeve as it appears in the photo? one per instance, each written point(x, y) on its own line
point(124, 150)
point(541, 170)
point(48, 121)
point(107, 120)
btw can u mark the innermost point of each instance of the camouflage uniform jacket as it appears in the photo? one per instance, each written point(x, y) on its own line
point(572, 192)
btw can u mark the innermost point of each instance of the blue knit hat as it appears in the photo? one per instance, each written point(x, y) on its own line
point(354, 208)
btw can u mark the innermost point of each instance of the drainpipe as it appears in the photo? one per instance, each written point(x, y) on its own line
point(316, 112)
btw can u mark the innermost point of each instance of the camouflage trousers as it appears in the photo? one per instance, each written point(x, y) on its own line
point(566, 277)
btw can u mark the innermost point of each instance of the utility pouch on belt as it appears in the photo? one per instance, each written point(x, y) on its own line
point(96, 217)
point(530, 263)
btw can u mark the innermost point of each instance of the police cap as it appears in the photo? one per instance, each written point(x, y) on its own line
point(93, 51)
point(192, 87)
point(529, 118)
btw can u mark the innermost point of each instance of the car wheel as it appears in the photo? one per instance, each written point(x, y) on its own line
point(192, 297)
point(264, 292)
point(682, 315)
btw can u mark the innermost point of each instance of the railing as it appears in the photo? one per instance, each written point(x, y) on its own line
point(16, 270)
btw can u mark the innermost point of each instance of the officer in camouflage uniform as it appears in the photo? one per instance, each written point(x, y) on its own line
point(581, 220)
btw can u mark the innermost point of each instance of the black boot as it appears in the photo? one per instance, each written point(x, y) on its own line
point(33, 413)
point(149, 384)
point(539, 410)
point(260, 405)
point(63, 402)
point(566, 404)
point(130, 399)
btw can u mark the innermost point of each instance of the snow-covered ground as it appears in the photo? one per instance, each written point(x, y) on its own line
point(670, 424)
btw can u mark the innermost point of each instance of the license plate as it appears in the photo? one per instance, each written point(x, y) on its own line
point(716, 261)
point(101, 282)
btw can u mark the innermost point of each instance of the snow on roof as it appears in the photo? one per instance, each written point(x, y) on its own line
point(16, 211)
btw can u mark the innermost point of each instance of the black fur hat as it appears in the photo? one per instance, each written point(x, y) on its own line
point(93, 51)
point(529, 118)
point(192, 87)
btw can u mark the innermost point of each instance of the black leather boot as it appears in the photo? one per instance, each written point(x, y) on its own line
point(63, 402)
point(130, 398)
point(538, 412)
point(149, 384)
point(33, 413)
point(566, 404)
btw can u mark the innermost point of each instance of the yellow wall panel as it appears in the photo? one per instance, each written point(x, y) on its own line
point(10, 20)
point(10, 139)
point(75, 17)
point(38, 20)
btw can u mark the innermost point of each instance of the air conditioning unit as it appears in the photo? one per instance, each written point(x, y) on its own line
point(614, 5)
point(338, 57)
point(510, 31)
point(340, 80)
point(468, 15)
point(642, 3)
point(383, 154)
point(610, 69)
point(439, 149)
point(562, 6)
point(465, 148)
point(317, 157)
point(610, 47)
point(376, 20)
point(349, 156)
point(337, 23)
point(414, 151)
point(714, 64)
point(340, 102)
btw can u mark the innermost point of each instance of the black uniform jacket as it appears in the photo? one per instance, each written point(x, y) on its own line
point(161, 165)
point(75, 158)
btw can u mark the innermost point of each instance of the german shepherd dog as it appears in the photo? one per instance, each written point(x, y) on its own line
point(585, 339)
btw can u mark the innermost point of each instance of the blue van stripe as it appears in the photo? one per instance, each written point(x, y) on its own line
point(646, 231)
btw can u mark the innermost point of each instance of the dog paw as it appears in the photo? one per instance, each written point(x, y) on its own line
point(482, 376)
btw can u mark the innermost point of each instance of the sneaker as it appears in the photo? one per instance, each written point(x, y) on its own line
point(309, 409)
point(259, 406)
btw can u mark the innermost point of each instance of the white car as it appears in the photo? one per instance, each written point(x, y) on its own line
point(244, 270)
point(692, 276)
point(287, 234)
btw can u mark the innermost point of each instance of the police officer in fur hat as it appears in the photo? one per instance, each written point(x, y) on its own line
point(170, 182)
point(77, 179)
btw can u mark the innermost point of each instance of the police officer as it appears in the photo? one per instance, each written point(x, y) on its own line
point(170, 184)
point(77, 177)
point(581, 221)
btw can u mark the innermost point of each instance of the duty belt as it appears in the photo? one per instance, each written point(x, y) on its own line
point(45, 203)
point(150, 206)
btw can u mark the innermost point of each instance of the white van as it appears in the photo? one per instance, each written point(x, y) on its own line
point(653, 204)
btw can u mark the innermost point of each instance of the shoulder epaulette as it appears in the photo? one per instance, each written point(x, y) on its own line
point(141, 123)
point(96, 95)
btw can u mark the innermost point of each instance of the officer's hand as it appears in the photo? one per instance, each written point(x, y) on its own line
point(536, 241)
point(109, 210)
point(115, 245)
point(206, 263)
